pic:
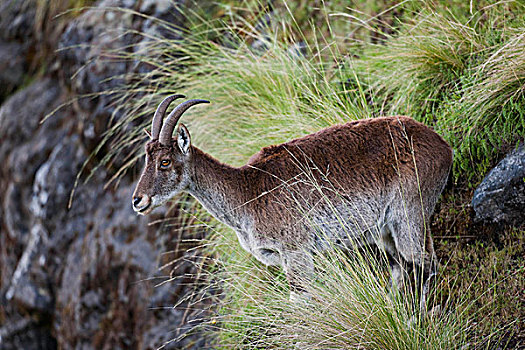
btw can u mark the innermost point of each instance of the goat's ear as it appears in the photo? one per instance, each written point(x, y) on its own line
point(183, 139)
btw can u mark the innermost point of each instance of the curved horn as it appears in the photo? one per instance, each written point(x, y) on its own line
point(173, 118)
point(156, 124)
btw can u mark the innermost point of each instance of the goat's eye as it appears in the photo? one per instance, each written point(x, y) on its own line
point(165, 163)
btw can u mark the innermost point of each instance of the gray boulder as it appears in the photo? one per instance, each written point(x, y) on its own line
point(500, 198)
point(26, 145)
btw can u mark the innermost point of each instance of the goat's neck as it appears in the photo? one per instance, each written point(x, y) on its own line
point(217, 187)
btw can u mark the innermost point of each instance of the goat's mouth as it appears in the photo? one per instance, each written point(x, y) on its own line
point(143, 210)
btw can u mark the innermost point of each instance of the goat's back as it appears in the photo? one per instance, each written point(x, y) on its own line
point(362, 155)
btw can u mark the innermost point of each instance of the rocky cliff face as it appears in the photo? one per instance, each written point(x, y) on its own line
point(84, 276)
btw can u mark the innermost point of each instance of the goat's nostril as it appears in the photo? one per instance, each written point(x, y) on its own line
point(136, 200)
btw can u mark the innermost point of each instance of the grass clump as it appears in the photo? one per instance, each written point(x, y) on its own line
point(350, 307)
point(491, 109)
point(459, 71)
point(421, 64)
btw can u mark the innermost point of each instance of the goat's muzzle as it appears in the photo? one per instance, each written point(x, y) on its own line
point(141, 204)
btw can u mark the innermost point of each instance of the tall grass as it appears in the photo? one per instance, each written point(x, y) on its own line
point(268, 96)
point(460, 73)
point(490, 109)
point(350, 307)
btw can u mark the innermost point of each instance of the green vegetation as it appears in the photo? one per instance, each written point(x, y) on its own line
point(464, 76)
point(455, 65)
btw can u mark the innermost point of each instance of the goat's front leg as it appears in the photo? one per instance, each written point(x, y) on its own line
point(299, 268)
point(398, 279)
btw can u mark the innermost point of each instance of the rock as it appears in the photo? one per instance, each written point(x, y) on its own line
point(156, 7)
point(29, 285)
point(500, 197)
point(93, 50)
point(12, 242)
point(25, 333)
point(55, 179)
point(17, 226)
point(17, 19)
point(163, 10)
point(83, 277)
point(90, 49)
point(26, 145)
point(21, 114)
point(33, 297)
point(104, 298)
point(33, 154)
point(99, 65)
point(89, 45)
point(13, 64)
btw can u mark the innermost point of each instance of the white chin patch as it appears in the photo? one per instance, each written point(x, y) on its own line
point(157, 201)
point(144, 211)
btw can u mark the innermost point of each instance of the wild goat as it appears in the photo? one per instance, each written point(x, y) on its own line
point(382, 175)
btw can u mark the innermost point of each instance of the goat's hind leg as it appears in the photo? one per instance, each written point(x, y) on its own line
point(425, 276)
point(398, 276)
point(414, 245)
point(398, 269)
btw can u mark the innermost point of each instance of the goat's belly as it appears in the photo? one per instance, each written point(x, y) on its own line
point(343, 227)
point(267, 256)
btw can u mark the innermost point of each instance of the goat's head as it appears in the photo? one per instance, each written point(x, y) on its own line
point(166, 172)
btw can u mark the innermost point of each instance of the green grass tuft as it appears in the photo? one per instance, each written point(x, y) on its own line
point(458, 69)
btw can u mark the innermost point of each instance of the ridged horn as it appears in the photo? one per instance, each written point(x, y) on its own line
point(173, 118)
point(156, 124)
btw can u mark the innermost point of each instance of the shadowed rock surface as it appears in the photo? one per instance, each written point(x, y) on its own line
point(82, 277)
point(17, 20)
point(12, 67)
